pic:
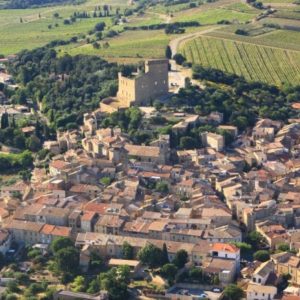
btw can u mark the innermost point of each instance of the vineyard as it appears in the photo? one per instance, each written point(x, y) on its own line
point(254, 62)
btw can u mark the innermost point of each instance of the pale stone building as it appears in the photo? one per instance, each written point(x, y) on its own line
point(140, 88)
point(213, 140)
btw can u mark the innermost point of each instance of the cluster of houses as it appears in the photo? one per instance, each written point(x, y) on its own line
point(210, 202)
point(101, 190)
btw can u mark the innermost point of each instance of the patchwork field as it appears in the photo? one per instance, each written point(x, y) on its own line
point(28, 28)
point(254, 62)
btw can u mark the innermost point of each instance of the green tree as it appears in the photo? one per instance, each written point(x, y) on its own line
point(67, 260)
point(150, 255)
point(244, 247)
point(12, 286)
point(115, 282)
point(165, 255)
point(96, 261)
point(168, 52)
point(22, 278)
point(4, 120)
point(169, 272)
point(187, 142)
point(261, 255)
point(78, 285)
point(94, 287)
point(33, 143)
point(283, 247)
point(179, 59)
point(105, 181)
point(11, 297)
point(127, 251)
point(25, 175)
point(49, 293)
point(255, 239)
point(196, 274)
point(162, 187)
point(181, 258)
point(60, 243)
point(233, 292)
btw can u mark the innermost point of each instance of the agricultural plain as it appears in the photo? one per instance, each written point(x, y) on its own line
point(254, 62)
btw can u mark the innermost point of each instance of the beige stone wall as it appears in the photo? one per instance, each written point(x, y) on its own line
point(145, 87)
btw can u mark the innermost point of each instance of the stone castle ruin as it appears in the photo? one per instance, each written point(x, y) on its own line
point(140, 88)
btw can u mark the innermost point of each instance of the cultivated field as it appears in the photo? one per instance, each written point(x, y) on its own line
point(254, 62)
point(285, 39)
point(28, 28)
point(212, 16)
point(130, 44)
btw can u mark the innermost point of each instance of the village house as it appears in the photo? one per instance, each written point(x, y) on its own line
point(261, 292)
point(213, 140)
point(287, 263)
point(35, 233)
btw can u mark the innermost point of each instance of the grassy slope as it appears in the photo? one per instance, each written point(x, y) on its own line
point(267, 64)
point(34, 32)
point(212, 16)
point(284, 39)
point(128, 44)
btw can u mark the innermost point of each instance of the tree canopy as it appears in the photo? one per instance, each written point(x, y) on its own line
point(75, 85)
point(233, 292)
point(151, 255)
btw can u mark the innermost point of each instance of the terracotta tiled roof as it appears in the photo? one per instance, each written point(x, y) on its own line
point(225, 247)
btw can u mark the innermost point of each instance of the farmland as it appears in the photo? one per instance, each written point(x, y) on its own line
point(285, 39)
point(31, 28)
point(135, 45)
point(28, 28)
point(265, 53)
point(254, 62)
point(212, 16)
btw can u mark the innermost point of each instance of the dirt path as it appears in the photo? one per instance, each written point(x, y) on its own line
point(166, 18)
point(175, 43)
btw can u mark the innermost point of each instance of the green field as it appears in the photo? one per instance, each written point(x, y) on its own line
point(288, 13)
point(130, 44)
point(242, 7)
point(285, 39)
point(283, 22)
point(212, 16)
point(254, 62)
point(33, 31)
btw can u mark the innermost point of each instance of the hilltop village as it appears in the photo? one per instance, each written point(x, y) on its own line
point(219, 220)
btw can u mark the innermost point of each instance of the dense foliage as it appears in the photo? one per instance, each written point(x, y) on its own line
point(14, 162)
point(241, 104)
point(64, 87)
point(233, 292)
point(20, 4)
